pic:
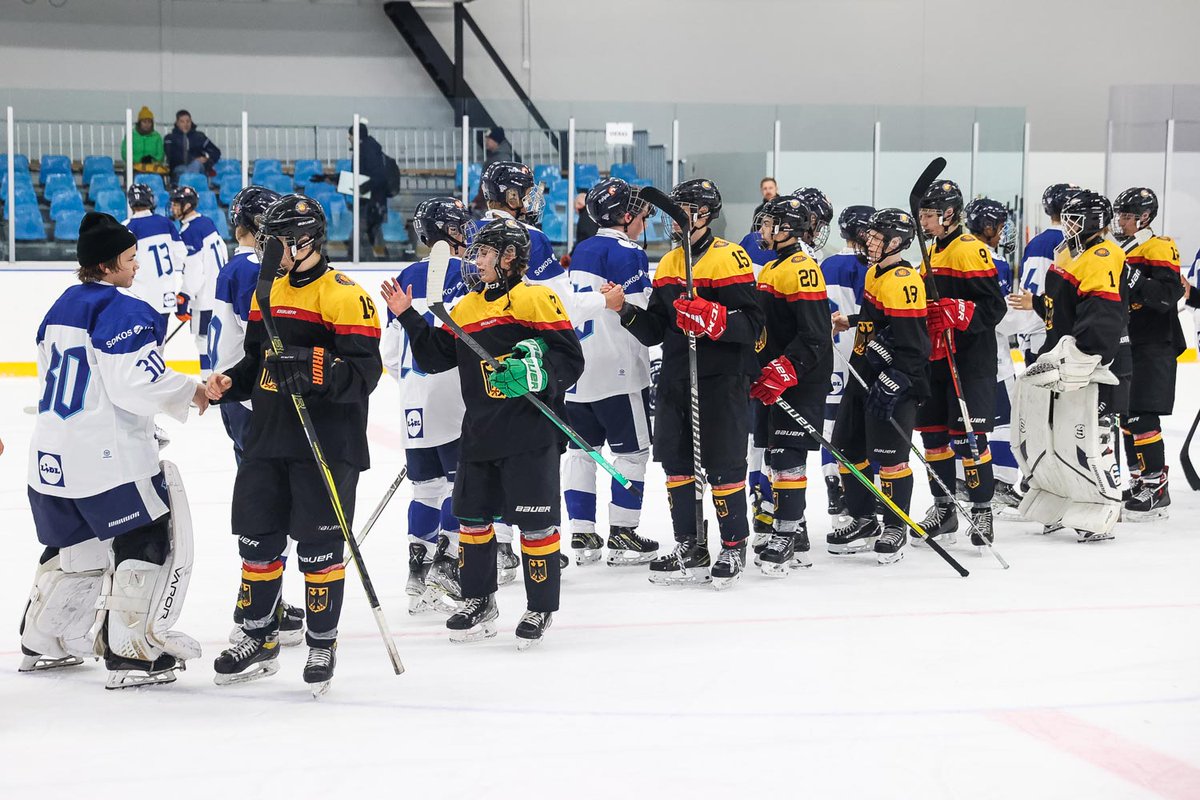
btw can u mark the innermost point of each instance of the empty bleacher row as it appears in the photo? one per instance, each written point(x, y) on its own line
point(52, 195)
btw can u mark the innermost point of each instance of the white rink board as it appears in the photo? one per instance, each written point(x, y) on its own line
point(1074, 674)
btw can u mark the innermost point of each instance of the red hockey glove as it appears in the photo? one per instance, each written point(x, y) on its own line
point(700, 317)
point(776, 378)
point(948, 313)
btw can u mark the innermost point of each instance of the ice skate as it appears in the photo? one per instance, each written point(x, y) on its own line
point(248, 660)
point(730, 564)
point(1053, 527)
point(688, 563)
point(837, 501)
point(508, 564)
point(318, 670)
point(800, 547)
point(626, 548)
point(36, 662)
point(130, 673)
point(442, 591)
point(475, 621)
point(291, 627)
point(776, 557)
point(889, 547)
point(1082, 536)
point(531, 628)
point(419, 563)
point(1006, 500)
point(587, 547)
point(981, 528)
point(1150, 500)
point(856, 536)
point(941, 523)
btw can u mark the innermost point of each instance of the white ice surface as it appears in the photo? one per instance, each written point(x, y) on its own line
point(1074, 674)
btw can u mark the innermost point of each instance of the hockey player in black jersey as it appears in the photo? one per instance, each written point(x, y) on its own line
point(796, 351)
point(509, 457)
point(727, 320)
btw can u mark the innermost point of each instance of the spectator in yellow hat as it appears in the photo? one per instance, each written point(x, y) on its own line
point(147, 144)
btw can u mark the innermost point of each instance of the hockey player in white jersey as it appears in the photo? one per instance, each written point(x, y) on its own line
point(1035, 265)
point(845, 273)
point(160, 252)
point(433, 410)
point(206, 254)
point(113, 518)
point(611, 401)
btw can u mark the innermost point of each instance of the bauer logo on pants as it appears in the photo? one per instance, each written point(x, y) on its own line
point(537, 570)
point(318, 598)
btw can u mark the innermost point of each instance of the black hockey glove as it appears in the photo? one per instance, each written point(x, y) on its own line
point(299, 370)
point(879, 352)
point(889, 388)
point(1136, 276)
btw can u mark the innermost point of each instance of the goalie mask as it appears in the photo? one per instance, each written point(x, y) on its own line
point(511, 184)
point(782, 220)
point(498, 255)
point(888, 232)
point(442, 219)
point(297, 220)
point(822, 211)
point(1085, 217)
point(692, 196)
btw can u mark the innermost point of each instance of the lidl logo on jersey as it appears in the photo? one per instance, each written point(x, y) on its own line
point(414, 420)
point(837, 384)
point(50, 469)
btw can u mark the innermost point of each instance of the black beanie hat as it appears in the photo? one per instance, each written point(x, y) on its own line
point(101, 238)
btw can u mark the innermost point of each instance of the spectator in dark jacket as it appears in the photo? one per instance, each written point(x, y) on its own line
point(188, 149)
point(373, 207)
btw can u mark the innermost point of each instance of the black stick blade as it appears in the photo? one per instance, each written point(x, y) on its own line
point(661, 201)
point(271, 258)
point(919, 188)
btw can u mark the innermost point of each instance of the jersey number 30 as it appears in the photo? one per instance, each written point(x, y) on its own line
point(66, 382)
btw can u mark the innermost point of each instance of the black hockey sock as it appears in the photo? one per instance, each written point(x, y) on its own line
point(1131, 453)
point(1151, 452)
point(941, 463)
point(860, 501)
point(979, 476)
point(477, 560)
point(730, 501)
point(542, 570)
point(262, 581)
point(790, 499)
point(898, 486)
point(681, 497)
point(323, 600)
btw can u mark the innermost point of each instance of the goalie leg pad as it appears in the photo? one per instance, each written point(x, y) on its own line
point(61, 618)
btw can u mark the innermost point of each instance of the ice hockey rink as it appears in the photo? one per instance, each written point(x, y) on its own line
point(1076, 673)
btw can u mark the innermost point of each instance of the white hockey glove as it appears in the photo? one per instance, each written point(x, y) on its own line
point(1066, 368)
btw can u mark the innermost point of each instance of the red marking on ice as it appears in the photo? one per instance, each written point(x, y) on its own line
point(1142, 766)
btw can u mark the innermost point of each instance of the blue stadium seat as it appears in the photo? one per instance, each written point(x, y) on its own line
point(341, 228)
point(222, 227)
point(394, 231)
point(334, 209)
point(56, 183)
point(344, 165)
point(474, 172)
point(97, 165)
point(545, 174)
point(29, 226)
point(626, 172)
point(229, 186)
point(65, 199)
point(641, 182)
point(586, 176)
point(155, 182)
point(53, 165)
point(556, 192)
point(21, 204)
point(112, 201)
point(20, 162)
point(554, 225)
point(264, 167)
point(103, 181)
point(23, 193)
point(208, 204)
point(23, 179)
point(195, 180)
point(305, 169)
point(66, 225)
point(275, 181)
point(320, 189)
point(162, 203)
point(228, 166)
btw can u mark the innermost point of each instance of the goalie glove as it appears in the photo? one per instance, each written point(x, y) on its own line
point(523, 371)
point(1066, 368)
point(299, 370)
point(700, 317)
point(777, 377)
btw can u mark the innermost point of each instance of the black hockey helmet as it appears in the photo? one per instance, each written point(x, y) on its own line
point(248, 206)
point(889, 223)
point(1137, 200)
point(611, 199)
point(140, 195)
point(511, 184)
point(817, 202)
point(186, 197)
point(693, 195)
point(1085, 216)
point(442, 219)
point(851, 222)
point(490, 245)
point(296, 219)
point(982, 212)
point(942, 196)
point(1056, 195)
point(781, 215)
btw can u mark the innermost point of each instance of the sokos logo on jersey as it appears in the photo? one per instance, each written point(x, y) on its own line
point(50, 469)
point(414, 420)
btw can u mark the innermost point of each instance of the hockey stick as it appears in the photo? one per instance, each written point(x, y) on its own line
point(928, 469)
point(439, 262)
point(171, 335)
point(870, 484)
point(914, 204)
point(669, 207)
point(387, 498)
point(1185, 458)
point(272, 255)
